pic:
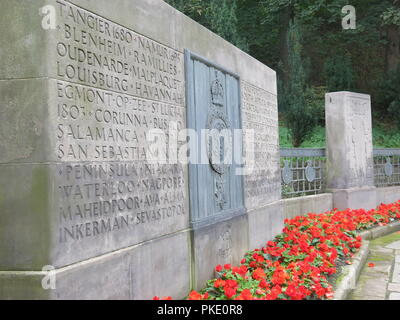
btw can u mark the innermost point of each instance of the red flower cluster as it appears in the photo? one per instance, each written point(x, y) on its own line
point(298, 263)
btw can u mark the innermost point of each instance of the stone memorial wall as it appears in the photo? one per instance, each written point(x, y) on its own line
point(83, 84)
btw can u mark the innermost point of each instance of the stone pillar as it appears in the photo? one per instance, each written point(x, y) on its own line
point(350, 150)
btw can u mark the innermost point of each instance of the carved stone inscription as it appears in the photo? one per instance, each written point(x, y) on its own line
point(111, 87)
point(97, 199)
point(359, 141)
point(93, 51)
point(98, 125)
point(224, 244)
point(260, 113)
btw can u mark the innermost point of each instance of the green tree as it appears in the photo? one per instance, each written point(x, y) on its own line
point(389, 95)
point(300, 118)
point(220, 16)
point(357, 60)
point(391, 22)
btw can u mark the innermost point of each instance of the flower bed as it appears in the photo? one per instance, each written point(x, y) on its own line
point(300, 261)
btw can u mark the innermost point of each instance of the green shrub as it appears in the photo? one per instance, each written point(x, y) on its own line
point(385, 136)
point(315, 98)
point(389, 89)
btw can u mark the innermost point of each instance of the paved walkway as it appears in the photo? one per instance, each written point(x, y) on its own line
point(380, 278)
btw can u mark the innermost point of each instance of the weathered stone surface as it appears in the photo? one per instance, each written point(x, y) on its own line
point(375, 282)
point(74, 197)
point(384, 269)
point(394, 287)
point(366, 234)
point(264, 224)
point(394, 245)
point(378, 232)
point(92, 189)
point(78, 99)
point(23, 285)
point(260, 113)
point(382, 251)
point(88, 129)
point(139, 272)
point(70, 212)
point(372, 297)
point(394, 296)
point(310, 204)
point(26, 217)
point(396, 273)
point(355, 198)
point(112, 127)
point(176, 30)
point(23, 42)
point(23, 116)
point(369, 288)
point(349, 140)
point(387, 195)
point(222, 243)
point(350, 152)
point(395, 227)
point(128, 63)
point(172, 29)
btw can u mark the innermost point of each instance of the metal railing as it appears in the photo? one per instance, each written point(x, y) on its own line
point(303, 171)
point(386, 167)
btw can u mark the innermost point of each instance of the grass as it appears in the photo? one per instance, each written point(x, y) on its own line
point(316, 140)
point(386, 136)
point(383, 137)
point(378, 258)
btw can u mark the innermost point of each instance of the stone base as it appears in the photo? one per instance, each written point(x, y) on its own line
point(264, 224)
point(387, 195)
point(220, 243)
point(357, 198)
point(310, 204)
point(160, 267)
